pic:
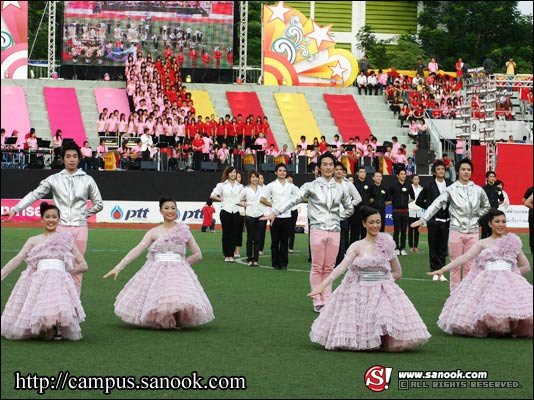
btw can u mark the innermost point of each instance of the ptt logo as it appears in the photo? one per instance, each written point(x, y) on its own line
point(190, 214)
point(377, 378)
point(118, 214)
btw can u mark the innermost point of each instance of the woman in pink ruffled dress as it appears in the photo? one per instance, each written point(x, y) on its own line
point(368, 311)
point(165, 293)
point(44, 302)
point(494, 299)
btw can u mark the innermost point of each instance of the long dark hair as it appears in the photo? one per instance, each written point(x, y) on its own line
point(366, 212)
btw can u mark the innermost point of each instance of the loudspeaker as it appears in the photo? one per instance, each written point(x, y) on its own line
point(208, 166)
point(148, 165)
point(302, 161)
point(164, 159)
point(369, 169)
point(387, 143)
point(291, 168)
point(267, 167)
point(424, 140)
point(424, 157)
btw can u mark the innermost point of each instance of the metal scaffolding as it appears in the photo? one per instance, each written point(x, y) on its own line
point(243, 33)
point(484, 87)
point(51, 37)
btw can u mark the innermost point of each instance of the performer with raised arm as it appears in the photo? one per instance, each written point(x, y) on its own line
point(71, 189)
point(494, 299)
point(368, 311)
point(165, 293)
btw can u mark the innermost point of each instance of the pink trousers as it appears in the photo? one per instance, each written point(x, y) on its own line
point(459, 244)
point(324, 249)
point(80, 233)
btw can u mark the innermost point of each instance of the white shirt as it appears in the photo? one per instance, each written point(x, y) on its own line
point(253, 207)
point(230, 194)
point(414, 211)
point(278, 194)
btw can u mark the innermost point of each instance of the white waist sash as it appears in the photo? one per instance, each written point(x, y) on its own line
point(372, 276)
point(58, 265)
point(499, 265)
point(169, 257)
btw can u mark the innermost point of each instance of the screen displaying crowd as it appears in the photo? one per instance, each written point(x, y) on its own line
point(106, 32)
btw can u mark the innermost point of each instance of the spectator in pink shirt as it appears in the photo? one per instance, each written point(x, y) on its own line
point(206, 147)
point(260, 153)
point(87, 157)
point(223, 154)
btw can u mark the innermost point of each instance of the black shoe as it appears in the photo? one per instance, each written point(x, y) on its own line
point(58, 335)
point(284, 267)
point(276, 267)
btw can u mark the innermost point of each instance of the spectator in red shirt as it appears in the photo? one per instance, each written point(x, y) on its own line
point(208, 222)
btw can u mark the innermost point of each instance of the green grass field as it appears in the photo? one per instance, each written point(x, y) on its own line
point(263, 319)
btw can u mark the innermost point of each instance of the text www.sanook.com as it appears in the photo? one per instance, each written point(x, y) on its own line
point(64, 380)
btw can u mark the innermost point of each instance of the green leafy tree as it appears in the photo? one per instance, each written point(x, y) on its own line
point(376, 50)
point(475, 30)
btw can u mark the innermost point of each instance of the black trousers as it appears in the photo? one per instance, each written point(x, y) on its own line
point(262, 226)
point(343, 240)
point(253, 238)
point(438, 239)
point(357, 231)
point(294, 216)
point(279, 242)
point(239, 235)
point(231, 228)
point(400, 225)
point(383, 220)
point(413, 233)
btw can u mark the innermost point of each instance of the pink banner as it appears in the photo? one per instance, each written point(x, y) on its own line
point(32, 213)
point(14, 39)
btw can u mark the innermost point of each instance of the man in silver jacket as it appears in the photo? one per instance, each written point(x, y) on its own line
point(467, 203)
point(324, 196)
point(71, 189)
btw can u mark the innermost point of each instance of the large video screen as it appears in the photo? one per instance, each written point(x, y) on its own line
point(100, 33)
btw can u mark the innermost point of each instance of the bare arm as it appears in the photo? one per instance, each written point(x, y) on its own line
point(522, 262)
point(352, 252)
point(80, 263)
point(18, 259)
point(133, 254)
point(196, 254)
point(396, 269)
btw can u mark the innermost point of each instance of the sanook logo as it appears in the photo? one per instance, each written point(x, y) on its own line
point(27, 212)
point(117, 213)
point(377, 378)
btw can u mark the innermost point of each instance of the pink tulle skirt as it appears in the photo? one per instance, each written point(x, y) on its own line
point(489, 303)
point(158, 291)
point(369, 316)
point(39, 301)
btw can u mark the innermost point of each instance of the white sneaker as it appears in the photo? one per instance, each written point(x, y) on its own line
point(397, 252)
point(443, 279)
point(403, 253)
point(435, 278)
